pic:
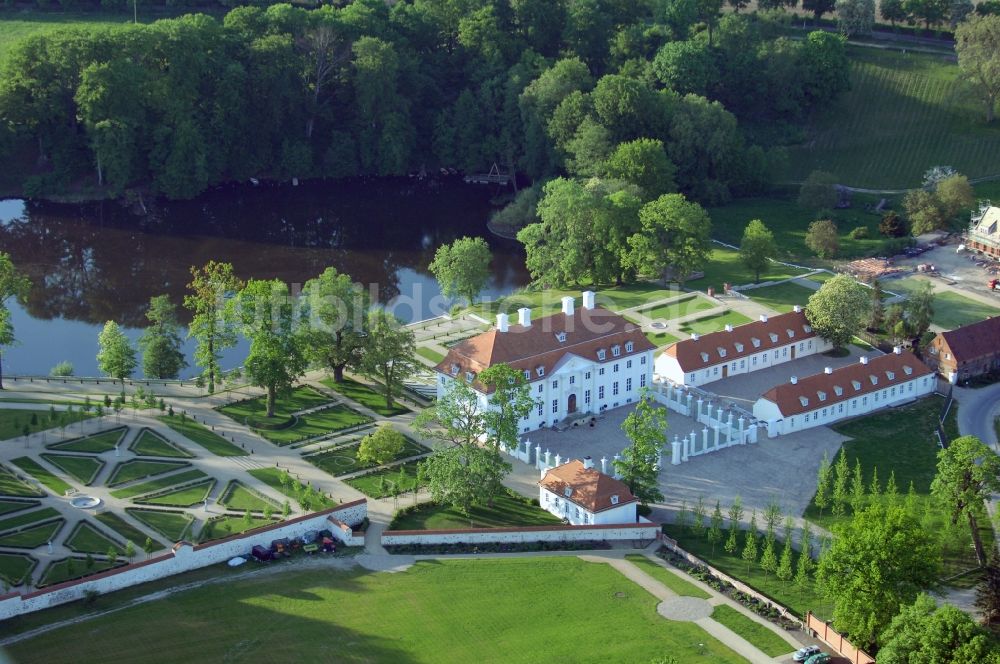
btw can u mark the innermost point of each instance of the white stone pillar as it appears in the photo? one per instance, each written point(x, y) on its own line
point(704, 440)
point(741, 422)
point(697, 415)
point(693, 440)
point(716, 427)
point(719, 418)
point(558, 460)
point(729, 422)
point(675, 458)
point(538, 455)
point(689, 398)
point(615, 467)
point(547, 456)
point(604, 465)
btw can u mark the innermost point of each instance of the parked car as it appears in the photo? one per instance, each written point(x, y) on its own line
point(310, 537)
point(281, 547)
point(821, 658)
point(261, 553)
point(802, 654)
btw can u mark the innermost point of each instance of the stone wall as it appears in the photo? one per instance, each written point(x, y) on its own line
point(186, 557)
point(633, 531)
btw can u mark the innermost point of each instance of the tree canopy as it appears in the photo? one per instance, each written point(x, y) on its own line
point(462, 268)
point(838, 309)
point(13, 285)
point(757, 248)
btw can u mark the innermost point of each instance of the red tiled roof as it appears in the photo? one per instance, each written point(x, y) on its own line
point(590, 489)
point(538, 346)
point(756, 337)
point(853, 380)
point(975, 341)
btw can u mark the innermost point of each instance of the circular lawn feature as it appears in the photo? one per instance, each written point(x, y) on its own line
point(275, 423)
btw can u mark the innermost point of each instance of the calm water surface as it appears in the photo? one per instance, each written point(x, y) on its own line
point(90, 263)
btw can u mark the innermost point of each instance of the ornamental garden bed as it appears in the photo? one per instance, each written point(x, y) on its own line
point(13, 421)
point(292, 488)
point(10, 505)
point(96, 443)
point(85, 538)
point(32, 536)
point(14, 522)
point(124, 529)
point(237, 496)
point(684, 306)
point(344, 460)
point(172, 525)
point(158, 484)
point(15, 566)
point(366, 396)
point(12, 485)
point(185, 496)
point(385, 482)
point(202, 435)
point(41, 474)
point(83, 469)
point(137, 469)
point(150, 443)
point(508, 510)
point(313, 425)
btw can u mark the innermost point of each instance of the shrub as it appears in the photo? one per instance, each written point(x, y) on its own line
point(859, 233)
point(64, 368)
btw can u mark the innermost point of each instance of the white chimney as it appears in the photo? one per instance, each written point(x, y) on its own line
point(567, 305)
point(794, 380)
point(797, 309)
point(729, 327)
point(502, 322)
point(588, 462)
point(763, 318)
point(695, 336)
point(588, 299)
point(898, 350)
point(524, 316)
point(828, 370)
point(864, 359)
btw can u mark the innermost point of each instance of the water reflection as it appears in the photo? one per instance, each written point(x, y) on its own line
point(103, 261)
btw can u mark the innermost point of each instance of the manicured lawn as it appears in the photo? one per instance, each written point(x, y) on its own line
point(328, 420)
point(781, 297)
point(634, 295)
point(62, 570)
point(715, 322)
point(666, 577)
point(183, 497)
point(366, 396)
point(123, 528)
point(660, 338)
point(238, 497)
point(32, 537)
point(549, 301)
point(159, 483)
point(94, 444)
point(511, 610)
point(14, 567)
point(951, 310)
point(150, 443)
point(272, 478)
point(230, 525)
point(507, 511)
point(13, 420)
point(725, 267)
point(11, 486)
point(30, 517)
point(33, 468)
point(344, 460)
point(904, 113)
point(172, 525)
point(202, 435)
point(299, 398)
point(81, 468)
point(87, 539)
point(8, 506)
point(798, 599)
point(135, 469)
point(760, 636)
point(380, 483)
point(430, 354)
point(684, 307)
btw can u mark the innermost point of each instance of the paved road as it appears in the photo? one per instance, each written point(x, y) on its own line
point(978, 409)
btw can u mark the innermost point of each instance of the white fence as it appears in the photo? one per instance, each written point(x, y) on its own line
point(186, 557)
point(613, 532)
point(526, 451)
point(725, 424)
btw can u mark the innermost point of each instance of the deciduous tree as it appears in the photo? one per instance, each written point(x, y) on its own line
point(455, 418)
point(967, 473)
point(335, 312)
point(388, 352)
point(638, 467)
point(160, 343)
point(213, 323)
point(644, 163)
point(462, 268)
point(757, 248)
point(855, 17)
point(926, 632)
point(510, 401)
point(822, 238)
point(116, 357)
point(465, 476)
point(838, 309)
point(13, 285)
point(381, 446)
point(977, 43)
point(674, 239)
point(819, 191)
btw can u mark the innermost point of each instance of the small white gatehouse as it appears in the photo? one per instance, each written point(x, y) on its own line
point(575, 491)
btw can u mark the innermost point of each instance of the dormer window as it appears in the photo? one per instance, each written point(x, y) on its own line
point(856, 384)
point(755, 341)
point(540, 371)
point(616, 350)
point(873, 378)
point(704, 356)
point(739, 347)
point(527, 374)
point(774, 337)
point(807, 329)
point(561, 337)
point(890, 375)
point(454, 369)
point(469, 376)
point(821, 395)
point(791, 334)
point(568, 491)
point(804, 401)
point(908, 370)
point(722, 351)
point(838, 390)
point(601, 354)
point(614, 499)
point(628, 346)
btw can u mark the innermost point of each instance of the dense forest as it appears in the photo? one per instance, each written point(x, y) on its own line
point(541, 87)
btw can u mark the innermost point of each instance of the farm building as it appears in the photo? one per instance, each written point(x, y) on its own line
point(836, 394)
point(577, 362)
point(575, 491)
point(742, 349)
point(966, 352)
point(984, 230)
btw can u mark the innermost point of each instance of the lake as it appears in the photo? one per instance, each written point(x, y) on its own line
point(94, 262)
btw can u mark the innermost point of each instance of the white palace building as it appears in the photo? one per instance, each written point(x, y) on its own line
point(738, 350)
point(577, 362)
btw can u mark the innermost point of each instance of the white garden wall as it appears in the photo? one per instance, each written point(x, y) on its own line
point(632, 531)
point(186, 557)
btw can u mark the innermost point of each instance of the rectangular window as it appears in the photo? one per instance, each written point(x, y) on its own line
point(572, 380)
point(586, 376)
point(555, 384)
point(815, 416)
point(614, 389)
point(628, 347)
point(840, 408)
point(754, 361)
point(555, 405)
point(586, 396)
point(628, 364)
point(692, 378)
point(540, 388)
point(616, 350)
point(615, 369)
point(600, 371)
point(743, 364)
point(733, 368)
point(642, 360)
point(642, 380)
point(628, 384)
point(716, 371)
point(539, 408)
point(600, 392)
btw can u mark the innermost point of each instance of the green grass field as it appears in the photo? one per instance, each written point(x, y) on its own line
point(714, 323)
point(313, 425)
point(299, 398)
point(725, 267)
point(123, 528)
point(230, 525)
point(14, 420)
point(781, 297)
point(515, 610)
point(905, 112)
point(63, 570)
point(88, 539)
point(344, 460)
point(11, 486)
point(136, 469)
point(549, 301)
point(366, 396)
point(32, 467)
point(951, 310)
point(159, 483)
point(760, 636)
point(188, 496)
point(380, 483)
point(272, 478)
point(14, 567)
point(659, 339)
point(32, 537)
point(684, 307)
point(507, 511)
point(150, 443)
point(30, 517)
point(102, 441)
point(238, 497)
point(172, 525)
point(666, 577)
point(430, 354)
point(81, 468)
point(202, 435)
point(9, 506)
